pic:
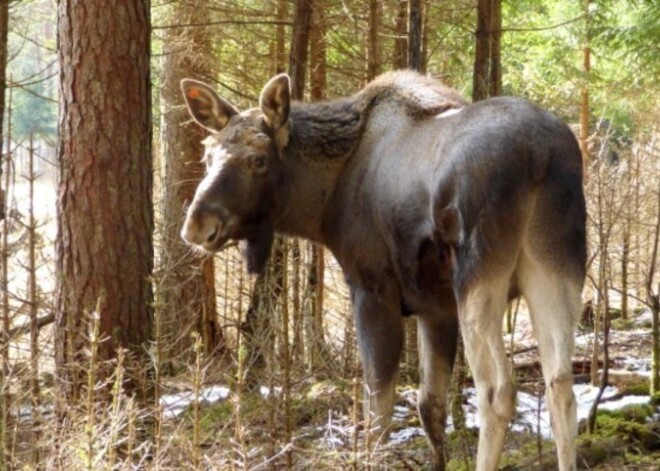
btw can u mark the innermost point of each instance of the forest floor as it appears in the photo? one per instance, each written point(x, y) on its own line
point(627, 434)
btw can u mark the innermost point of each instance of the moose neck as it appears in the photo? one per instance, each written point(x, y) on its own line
point(324, 136)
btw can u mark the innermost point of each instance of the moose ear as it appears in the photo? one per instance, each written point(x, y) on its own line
point(205, 106)
point(275, 101)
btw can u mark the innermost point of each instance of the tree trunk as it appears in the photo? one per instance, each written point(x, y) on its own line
point(317, 347)
point(495, 81)
point(584, 95)
point(374, 61)
point(654, 302)
point(415, 35)
point(487, 75)
point(4, 30)
point(280, 37)
point(299, 47)
point(105, 214)
point(186, 288)
point(401, 36)
point(318, 69)
point(625, 260)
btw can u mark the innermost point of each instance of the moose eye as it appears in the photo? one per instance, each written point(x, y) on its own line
point(259, 162)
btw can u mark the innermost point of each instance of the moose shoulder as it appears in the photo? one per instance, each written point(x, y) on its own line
point(432, 206)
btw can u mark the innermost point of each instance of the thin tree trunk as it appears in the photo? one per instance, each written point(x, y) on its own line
point(487, 75)
point(654, 302)
point(316, 267)
point(625, 260)
point(374, 61)
point(495, 82)
point(584, 94)
point(299, 47)
point(280, 37)
point(105, 214)
point(186, 289)
point(425, 38)
point(401, 36)
point(480, 77)
point(415, 35)
point(5, 396)
point(4, 30)
point(318, 69)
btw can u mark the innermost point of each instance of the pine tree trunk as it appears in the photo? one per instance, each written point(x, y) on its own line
point(4, 30)
point(584, 95)
point(480, 76)
point(105, 214)
point(654, 302)
point(186, 289)
point(280, 37)
point(415, 35)
point(316, 345)
point(373, 43)
point(495, 82)
point(299, 46)
point(487, 75)
point(401, 36)
point(317, 56)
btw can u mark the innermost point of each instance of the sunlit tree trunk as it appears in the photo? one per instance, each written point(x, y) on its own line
point(104, 251)
point(185, 282)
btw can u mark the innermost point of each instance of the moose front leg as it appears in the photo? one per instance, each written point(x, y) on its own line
point(379, 326)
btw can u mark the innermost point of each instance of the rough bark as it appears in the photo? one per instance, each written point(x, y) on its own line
point(104, 245)
point(186, 288)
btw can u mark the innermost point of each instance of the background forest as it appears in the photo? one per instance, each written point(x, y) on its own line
point(122, 349)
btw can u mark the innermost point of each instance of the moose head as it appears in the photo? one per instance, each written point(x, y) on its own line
point(237, 197)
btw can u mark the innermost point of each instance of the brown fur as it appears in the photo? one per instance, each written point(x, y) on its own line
point(439, 214)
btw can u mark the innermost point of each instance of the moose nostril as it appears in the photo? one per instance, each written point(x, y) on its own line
point(211, 237)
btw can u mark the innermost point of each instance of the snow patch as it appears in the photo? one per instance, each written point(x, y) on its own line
point(174, 404)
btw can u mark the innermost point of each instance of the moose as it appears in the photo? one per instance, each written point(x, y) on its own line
point(433, 207)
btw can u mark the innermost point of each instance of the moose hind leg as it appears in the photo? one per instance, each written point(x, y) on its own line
point(555, 303)
point(481, 310)
point(380, 340)
point(437, 347)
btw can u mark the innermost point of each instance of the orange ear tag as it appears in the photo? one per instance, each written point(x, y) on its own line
point(193, 93)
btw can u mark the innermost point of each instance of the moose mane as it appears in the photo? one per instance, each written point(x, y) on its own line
point(332, 129)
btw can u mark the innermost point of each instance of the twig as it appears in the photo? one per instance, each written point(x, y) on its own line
point(25, 328)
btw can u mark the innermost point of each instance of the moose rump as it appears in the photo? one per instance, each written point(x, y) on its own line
point(433, 207)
